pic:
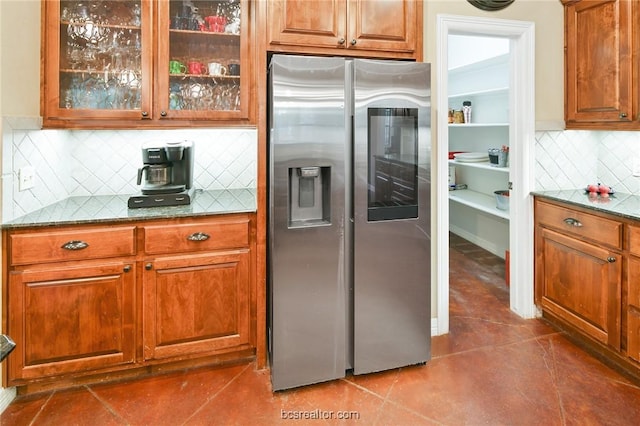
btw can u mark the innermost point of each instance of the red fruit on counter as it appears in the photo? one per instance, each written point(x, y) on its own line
point(604, 190)
point(592, 188)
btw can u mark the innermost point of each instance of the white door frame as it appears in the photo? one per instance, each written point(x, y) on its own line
point(521, 157)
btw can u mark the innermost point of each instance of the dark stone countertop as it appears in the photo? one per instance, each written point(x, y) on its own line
point(624, 205)
point(110, 208)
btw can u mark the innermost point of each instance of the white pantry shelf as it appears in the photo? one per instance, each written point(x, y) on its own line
point(471, 94)
point(480, 165)
point(478, 124)
point(478, 201)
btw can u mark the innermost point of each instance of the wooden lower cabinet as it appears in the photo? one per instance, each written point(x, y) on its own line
point(71, 319)
point(96, 302)
point(196, 304)
point(587, 278)
point(581, 284)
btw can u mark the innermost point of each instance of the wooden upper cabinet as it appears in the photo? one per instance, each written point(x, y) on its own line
point(602, 42)
point(383, 28)
point(146, 63)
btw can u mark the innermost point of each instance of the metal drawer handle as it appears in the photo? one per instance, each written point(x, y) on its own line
point(198, 236)
point(74, 245)
point(573, 222)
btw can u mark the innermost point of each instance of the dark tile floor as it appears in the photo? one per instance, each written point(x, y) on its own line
point(493, 368)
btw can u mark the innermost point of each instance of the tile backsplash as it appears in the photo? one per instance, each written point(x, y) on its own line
point(573, 159)
point(105, 162)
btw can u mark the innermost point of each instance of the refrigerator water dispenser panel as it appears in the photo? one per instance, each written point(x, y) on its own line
point(309, 196)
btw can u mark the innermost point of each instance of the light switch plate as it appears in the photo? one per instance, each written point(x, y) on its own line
point(26, 178)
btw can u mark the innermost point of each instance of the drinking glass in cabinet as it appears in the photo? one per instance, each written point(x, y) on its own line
point(100, 66)
point(207, 35)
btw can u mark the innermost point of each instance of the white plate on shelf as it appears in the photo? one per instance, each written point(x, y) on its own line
point(471, 157)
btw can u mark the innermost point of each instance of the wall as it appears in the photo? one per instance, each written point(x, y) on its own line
point(548, 18)
point(19, 78)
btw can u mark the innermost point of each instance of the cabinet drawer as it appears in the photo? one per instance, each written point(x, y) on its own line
point(200, 236)
point(588, 226)
point(77, 244)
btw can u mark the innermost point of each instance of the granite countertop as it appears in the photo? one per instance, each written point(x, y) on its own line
point(109, 208)
point(624, 205)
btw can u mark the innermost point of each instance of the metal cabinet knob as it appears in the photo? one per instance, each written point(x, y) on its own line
point(74, 245)
point(148, 266)
point(341, 41)
point(163, 113)
point(145, 114)
point(199, 236)
point(623, 115)
point(127, 268)
point(611, 259)
point(353, 42)
point(573, 222)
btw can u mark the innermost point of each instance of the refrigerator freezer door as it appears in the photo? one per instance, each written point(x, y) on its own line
point(306, 224)
point(392, 321)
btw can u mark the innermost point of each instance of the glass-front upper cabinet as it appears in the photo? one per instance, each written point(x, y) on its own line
point(137, 63)
point(203, 59)
point(95, 61)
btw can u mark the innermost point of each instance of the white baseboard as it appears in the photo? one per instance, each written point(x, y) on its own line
point(487, 245)
point(434, 326)
point(6, 396)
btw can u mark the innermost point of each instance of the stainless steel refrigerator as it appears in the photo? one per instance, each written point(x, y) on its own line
point(349, 217)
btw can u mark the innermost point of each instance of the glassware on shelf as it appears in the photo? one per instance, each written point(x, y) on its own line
point(101, 65)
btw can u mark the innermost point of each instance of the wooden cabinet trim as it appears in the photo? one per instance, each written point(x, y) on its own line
point(154, 112)
point(49, 246)
point(201, 236)
point(127, 273)
point(44, 347)
point(357, 28)
point(580, 224)
point(602, 65)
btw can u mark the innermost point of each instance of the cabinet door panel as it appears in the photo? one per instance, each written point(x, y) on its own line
point(581, 284)
point(97, 60)
point(383, 25)
point(70, 319)
point(599, 67)
point(191, 41)
point(196, 304)
point(310, 23)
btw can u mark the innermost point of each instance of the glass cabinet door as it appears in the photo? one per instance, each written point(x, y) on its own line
point(203, 64)
point(102, 71)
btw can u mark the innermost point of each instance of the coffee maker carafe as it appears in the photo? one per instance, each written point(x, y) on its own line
point(166, 175)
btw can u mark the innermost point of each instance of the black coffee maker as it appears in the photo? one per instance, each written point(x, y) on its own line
point(166, 176)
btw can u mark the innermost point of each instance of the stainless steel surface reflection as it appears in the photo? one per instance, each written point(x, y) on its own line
point(349, 257)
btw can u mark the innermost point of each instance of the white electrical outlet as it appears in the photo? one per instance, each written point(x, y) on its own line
point(635, 166)
point(26, 178)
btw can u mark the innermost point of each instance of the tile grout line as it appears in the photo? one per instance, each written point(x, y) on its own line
point(106, 405)
point(528, 339)
point(32, 422)
point(215, 395)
